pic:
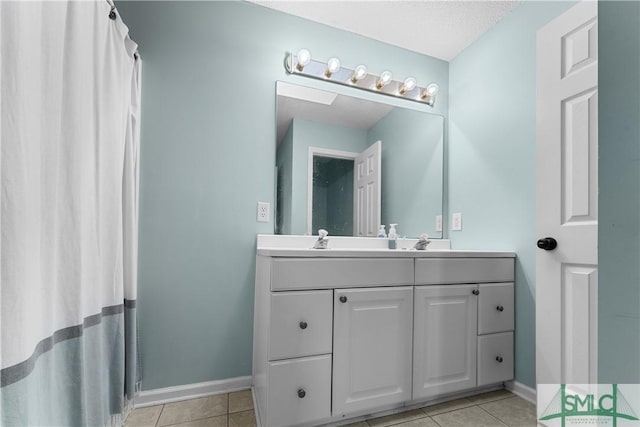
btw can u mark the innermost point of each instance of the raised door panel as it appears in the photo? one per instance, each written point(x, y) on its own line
point(445, 331)
point(372, 348)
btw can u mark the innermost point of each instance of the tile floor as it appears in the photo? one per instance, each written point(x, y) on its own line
point(494, 409)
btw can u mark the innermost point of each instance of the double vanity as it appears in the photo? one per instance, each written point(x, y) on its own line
point(344, 333)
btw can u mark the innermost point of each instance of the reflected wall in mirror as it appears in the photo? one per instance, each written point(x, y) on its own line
point(319, 136)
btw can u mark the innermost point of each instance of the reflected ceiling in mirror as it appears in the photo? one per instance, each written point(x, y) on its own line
point(311, 120)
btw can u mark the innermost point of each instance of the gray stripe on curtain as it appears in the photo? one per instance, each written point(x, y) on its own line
point(12, 374)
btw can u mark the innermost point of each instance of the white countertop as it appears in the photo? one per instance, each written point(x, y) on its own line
point(364, 247)
point(381, 253)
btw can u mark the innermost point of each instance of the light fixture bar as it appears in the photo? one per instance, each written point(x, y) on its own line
point(370, 82)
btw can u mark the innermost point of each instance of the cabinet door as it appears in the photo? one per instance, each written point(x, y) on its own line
point(495, 358)
point(445, 328)
point(495, 308)
point(299, 391)
point(371, 348)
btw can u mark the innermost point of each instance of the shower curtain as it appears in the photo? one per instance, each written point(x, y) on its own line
point(70, 89)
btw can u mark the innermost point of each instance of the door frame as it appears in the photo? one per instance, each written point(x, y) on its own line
point(322, 152)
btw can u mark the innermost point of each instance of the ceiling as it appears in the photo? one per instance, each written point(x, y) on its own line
point(438, 28)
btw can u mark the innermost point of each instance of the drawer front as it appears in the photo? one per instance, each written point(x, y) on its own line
point(301, 324)
point(464, 270)
point(303, 273)
point(495, 358)
point(495, 308)
point(299, 391)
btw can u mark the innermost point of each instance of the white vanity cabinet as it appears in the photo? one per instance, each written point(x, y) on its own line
point(372, 344)
point(340, 334)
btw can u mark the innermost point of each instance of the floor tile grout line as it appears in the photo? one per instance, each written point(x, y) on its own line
point(159, 416)
point(497, 418)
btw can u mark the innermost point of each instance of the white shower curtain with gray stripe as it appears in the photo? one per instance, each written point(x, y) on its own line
point(70, 89)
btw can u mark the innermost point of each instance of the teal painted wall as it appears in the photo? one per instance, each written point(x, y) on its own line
point(207, 157)
point(491, 154)
point(619, 192)
point(321, 135)
point(412, 159)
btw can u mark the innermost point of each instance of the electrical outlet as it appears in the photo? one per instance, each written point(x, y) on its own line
point(439, 223)
point(456, 221)
point(263, 211)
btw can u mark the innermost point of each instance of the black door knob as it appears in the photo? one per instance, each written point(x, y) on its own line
point(475, 292)
point(301, 393)
point(500, 308)
point(548, 243)
point(499, 359)
point(303, 325)
point(343, 299)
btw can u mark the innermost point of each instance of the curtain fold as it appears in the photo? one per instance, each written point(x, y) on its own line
point(69, 134)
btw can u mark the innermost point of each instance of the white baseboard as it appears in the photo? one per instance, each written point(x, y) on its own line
point(524, 391)
point(190, 391)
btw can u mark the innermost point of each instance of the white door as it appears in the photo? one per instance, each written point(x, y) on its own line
point(444, 348)
point(567, 197)
point(372, 334)
point(366, 194)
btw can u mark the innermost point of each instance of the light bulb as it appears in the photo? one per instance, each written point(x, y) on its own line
point(333, 65)
point(431, 90)
point(304, 57)
point(385, 79)
point(429, 94)
point(408, 85)
point(359, 73)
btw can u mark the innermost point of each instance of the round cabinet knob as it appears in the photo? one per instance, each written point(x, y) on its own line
point(499, 359)
point(301, 393)
point(343, 299)
point(475, 292)
point(500, 308)
point(303, 325)
point(548, 243)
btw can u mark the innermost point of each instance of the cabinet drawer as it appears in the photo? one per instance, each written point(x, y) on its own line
point(495, 308)
point(299, 391)
point(303, 273)
point(495, 358)
point(300, 324)
point(463, 270)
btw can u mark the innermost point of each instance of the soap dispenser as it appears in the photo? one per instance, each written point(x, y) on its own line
point(393, 236)
point(381, 232)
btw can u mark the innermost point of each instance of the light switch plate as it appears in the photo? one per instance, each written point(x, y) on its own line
point(456, 221)
point(438, 222)
point(263, 211)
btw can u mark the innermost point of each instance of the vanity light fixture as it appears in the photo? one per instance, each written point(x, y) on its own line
point(429, 94)
point(358, 74)
point(333, 65)
point(332, 71)
point(407, 86)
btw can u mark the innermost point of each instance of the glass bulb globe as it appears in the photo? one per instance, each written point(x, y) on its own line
point(385, 79)
point(333, 65)
point(304, 57)
point(360, 72)
point(408, 85)
point(432, 89)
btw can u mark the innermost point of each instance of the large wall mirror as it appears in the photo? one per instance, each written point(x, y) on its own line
point(348, 164)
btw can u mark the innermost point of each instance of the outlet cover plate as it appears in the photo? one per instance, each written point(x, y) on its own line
point(439, 223)
point(263, 211)
point(456, 221)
